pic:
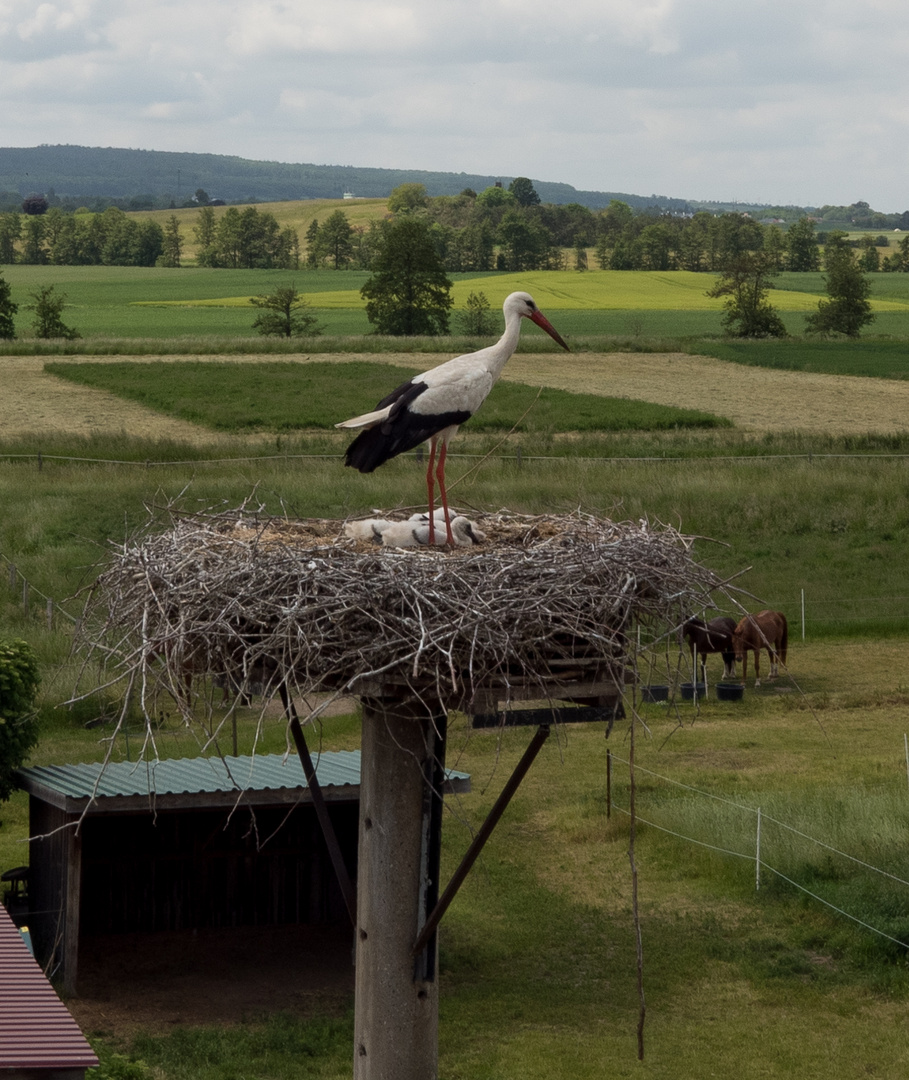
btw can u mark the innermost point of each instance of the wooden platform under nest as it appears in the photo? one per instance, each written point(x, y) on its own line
point(545, 600)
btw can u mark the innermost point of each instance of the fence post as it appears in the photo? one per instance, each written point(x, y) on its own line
point(608, 784)
point(757, 859)
point(50, 615)
point(906, 745)
point(25, 596)
point(803, 614)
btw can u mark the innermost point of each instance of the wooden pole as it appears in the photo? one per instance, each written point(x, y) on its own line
point(757, 853)
point(906, 747)
point(608, 784)
point(483, 834)
point(72, 901)
point(396, 1012)
point(318, 799)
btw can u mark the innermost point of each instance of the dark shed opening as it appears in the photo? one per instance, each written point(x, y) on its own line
point(184, 844)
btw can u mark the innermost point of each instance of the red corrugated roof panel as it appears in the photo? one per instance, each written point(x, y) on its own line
point(36, 1030)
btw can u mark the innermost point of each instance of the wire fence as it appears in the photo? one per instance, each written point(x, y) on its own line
point(518, 457)
point(757, 855)
point(35, 603)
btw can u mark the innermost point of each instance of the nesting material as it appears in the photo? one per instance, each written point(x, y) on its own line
point(543, 599)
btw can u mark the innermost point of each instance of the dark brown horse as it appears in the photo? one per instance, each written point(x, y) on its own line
point(714, 636)
point(765, 630)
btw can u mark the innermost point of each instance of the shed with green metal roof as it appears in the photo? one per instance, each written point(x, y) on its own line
point(190, 843)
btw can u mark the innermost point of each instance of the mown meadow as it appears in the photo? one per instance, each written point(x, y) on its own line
point(804, 975)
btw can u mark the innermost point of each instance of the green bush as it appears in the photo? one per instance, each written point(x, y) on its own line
point(19, 681)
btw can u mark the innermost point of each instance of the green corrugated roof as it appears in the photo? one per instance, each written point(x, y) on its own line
point(196, 776)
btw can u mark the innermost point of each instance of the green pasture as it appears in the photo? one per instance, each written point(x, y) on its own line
point(875, 359)
point(537, 953)
point(538, 964)
point(135, 303)
point(276, 397)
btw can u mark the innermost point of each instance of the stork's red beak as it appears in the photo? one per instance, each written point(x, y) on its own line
point(540, 319)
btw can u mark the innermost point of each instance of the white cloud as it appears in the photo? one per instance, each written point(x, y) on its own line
point(783, 102)
point(348, 27)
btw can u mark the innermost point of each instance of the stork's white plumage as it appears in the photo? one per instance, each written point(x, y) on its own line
point(431, 407)
point(417, 534)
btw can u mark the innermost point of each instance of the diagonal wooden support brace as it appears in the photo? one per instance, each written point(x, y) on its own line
point(479, 841)
point(318, 800)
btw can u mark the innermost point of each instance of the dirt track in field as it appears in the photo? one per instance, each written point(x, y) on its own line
point(755, 399)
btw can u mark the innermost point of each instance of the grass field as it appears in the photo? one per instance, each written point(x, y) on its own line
point(805, 496)
point(537, 952)
point(880, 359)
point(133, 303)
point(276, 397)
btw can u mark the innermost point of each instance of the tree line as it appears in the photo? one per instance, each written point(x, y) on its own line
point(499, 228)
point(241, 239)
point(510, 229)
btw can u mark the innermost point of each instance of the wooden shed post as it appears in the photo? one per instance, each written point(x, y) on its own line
point(72, 899)
point(396, 1014)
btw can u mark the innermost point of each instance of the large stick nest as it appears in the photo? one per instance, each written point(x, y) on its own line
point(544, 600)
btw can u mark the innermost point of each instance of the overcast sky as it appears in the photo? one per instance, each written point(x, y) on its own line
point(778, 101)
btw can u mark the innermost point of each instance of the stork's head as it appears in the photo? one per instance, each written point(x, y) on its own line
point(522, 303)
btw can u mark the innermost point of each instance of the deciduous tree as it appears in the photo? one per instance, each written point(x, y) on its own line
point(34, 204)
point(48, 308)
point(745, 283)
point(332, 241)
point(10, 231)
point(409, 292)
point(205, 231)
point(802, 246)
point(523, 190)
point(477, 320)
point(847, 308)
point(8, 309)
point(898, 262)
point(282, 314)
point(172, 250)
point(406, 198)
point(34, 252)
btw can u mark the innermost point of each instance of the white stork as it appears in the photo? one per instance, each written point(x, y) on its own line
point(416, 534)
point(430, 407)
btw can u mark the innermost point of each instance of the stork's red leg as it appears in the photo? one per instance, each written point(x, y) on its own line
point(429, 488)
point(440, 476)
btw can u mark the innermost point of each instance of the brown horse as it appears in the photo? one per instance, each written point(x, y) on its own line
point(714, 636)
point(765, 630)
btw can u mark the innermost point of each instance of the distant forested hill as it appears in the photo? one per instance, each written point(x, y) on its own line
point(161, 178)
